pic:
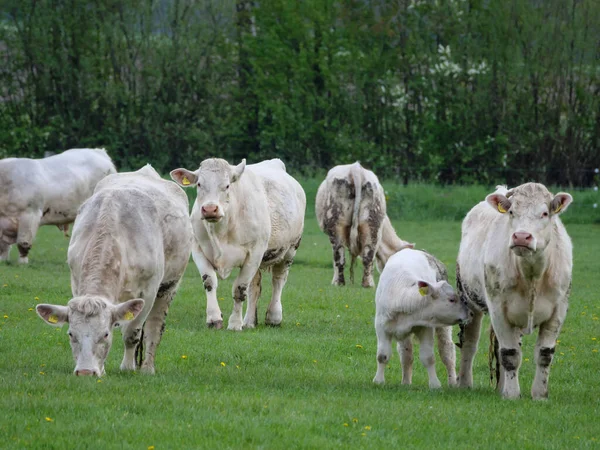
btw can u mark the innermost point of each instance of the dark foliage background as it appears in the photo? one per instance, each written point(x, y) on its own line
point(449, 91)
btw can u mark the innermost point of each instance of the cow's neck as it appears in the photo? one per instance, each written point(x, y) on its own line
point(101, 271)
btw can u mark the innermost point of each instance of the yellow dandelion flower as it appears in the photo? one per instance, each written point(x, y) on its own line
point(346, 306)
point(48, 419)
point(593, 339)
point(363, 434)
point(526, 359)
point(99, 381)
point(355, 420)
point(237, 367)
point(314, 360)
point(5, 285)
point(42, 373)
point(36, 298)
point(297, 324)
point(359, 346)
point(562, 353)
point(558, 341)
point(223, 364)
point(345, 424)
point(5, 316)
point(30, 309)
point(151, 447)
point(183, 356)
point(368, 427)
point(595, 350)
point(16, 276)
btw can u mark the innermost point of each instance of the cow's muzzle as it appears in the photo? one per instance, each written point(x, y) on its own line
point(211, 213)
point(86, 372)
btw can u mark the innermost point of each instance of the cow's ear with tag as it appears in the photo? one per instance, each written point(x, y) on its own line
point(560, 203)
point(184, 177)
point(55, 315)
point(127, 311)
point(425, 288)
point(237, 171)
point(499, 202)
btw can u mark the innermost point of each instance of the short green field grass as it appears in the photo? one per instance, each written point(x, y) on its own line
point(307, 384)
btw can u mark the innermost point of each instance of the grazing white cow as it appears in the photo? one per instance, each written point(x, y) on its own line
point(515, 262)
point(414, 297)
point(356, 219)
point(250, 217)
point(46, 191)
point(130, 246)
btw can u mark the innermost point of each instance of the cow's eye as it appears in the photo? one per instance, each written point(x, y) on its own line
point(227, 187)
point(510, 212)
point(545, 214)
point(106, 335)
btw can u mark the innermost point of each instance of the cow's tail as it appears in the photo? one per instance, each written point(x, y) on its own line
point(494, 351)
point(355, 172)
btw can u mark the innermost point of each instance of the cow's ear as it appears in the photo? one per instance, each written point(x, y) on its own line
point(560, 203)
point(499, 202)
point(127, 311)
point(55, 315)
point(184, 177)
point(425, 288)
point(237, 171)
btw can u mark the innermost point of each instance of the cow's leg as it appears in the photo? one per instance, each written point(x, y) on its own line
point(4, 250)
point(280, 273)
point(544, 351)
point(405, 351)
point(426, 344)
point(214, 317)
point(510, 351)
point(384, 352)
point(447, 352)
point(339, 259)
point(255, 289)
point(155, 323)
point(368, 244)
point(28, 225)
point(470, 341)
point(132, 331)
point(240, 287)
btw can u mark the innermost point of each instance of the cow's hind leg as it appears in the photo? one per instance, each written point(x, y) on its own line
point(470, 341)
point(447, 352)
point(132, 332)
point(339, 260)
point(155, 324)
point(280, 273)
point(405, 351)
point(255, 289)
point(426, 341)
point(4, 250)
point(368, 244)
point(384, 352)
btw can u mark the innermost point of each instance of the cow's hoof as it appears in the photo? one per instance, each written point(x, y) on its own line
point(23, 260)
point(235, 327)
point(248, 326)
point(217, 324)
point(147, 370)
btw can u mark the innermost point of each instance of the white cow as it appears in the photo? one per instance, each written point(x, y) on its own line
point(515, 262)
point(250, 217)
point(130, 246)
point(356, 219)
point(413, 297)
point(47, 191)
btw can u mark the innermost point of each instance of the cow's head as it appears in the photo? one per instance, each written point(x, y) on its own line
point(91, 321)
point(531, 210)
point(443, 306)
point(213, 181)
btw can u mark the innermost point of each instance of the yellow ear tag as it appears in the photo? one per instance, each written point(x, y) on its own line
point(423, 290)
point(52, 318)
point(559, 207)
point(185, 181)
point(128, 315)
point(501, 208)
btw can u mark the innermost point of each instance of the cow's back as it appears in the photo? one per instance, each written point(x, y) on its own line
point(286, 201)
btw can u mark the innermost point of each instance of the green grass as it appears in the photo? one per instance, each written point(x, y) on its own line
point(290, 387)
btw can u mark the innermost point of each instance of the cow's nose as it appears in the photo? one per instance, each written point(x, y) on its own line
point(522, 238)
point(85, 372)
point(210, 210)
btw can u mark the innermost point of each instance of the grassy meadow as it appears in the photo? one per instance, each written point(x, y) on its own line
point(307, 384)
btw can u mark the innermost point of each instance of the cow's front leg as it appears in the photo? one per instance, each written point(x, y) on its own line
point(405, 351)
point(447, 352)
point(240, 288)
point(470, 341)
point(214, 317)
point(544, 351)
point(509, 338)
point(426, 344)
point(28, 225)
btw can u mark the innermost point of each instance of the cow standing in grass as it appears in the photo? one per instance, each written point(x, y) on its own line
point(414, 298)
point(351, 210)
point(515, 262)
point(49, 191)
point(250, 217)
point(130, 246)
